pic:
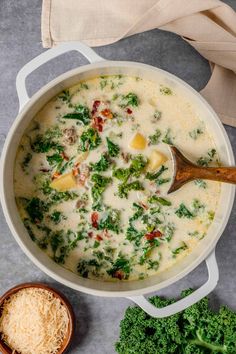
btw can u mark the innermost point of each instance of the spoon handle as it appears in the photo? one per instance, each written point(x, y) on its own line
point(221, 174)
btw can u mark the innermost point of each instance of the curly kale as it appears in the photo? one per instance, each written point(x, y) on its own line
point(81, 114)
point(196, 330)
point(89, 140)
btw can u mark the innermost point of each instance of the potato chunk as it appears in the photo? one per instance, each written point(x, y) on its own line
point(156, 159)
point(138, 142)
point(64, 182)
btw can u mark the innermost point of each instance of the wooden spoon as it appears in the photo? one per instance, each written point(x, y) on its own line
point(185, 171)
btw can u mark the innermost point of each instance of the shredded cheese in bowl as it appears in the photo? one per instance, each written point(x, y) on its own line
point(34, 321)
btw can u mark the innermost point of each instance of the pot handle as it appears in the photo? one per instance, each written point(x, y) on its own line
point(46, 56)
point(197, 295)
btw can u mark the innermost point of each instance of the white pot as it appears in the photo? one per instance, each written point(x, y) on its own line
point(133, 289)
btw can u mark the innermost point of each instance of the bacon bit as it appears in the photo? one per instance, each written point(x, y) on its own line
point(119, 274)
point(98, 123)
point(99, 238)
point(64, 156)
point(56, 175)
point(107, 113)
point(129, 111)
point(75, 171)
point(157, 191)
point(90, 234)
point(143, 205)
point(153, 235)
point(96, 104)
point(94, 219)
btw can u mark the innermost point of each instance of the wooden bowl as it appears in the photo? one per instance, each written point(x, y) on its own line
point(4, 348)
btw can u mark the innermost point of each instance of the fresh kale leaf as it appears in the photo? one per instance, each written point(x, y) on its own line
point(125, 188)
point(102, 165)
point(111, 221)
point(81, 114)
point(131, 99)
point(184, 212)
point(113, 149)
point(155, 199)
point(90, 140)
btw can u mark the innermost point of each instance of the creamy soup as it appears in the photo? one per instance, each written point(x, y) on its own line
point(92, 173)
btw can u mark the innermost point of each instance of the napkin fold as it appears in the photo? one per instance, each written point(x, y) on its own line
point(207, 25)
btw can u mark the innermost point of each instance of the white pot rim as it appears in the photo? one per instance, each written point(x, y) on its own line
point(59, 275)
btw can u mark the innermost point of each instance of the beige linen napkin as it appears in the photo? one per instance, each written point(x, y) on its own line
point(208, 25)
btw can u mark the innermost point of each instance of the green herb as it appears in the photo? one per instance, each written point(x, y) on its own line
point(139, 210)
point(113, 149)
point(184, 212)
point(103, 83)
point(26, 161)
point(196, 330)
point(133, 235)
point(204, 161)
point(125, 188)
point(121, 264)
point(194, 134)
point(42, 181)
point(29, 229)
point(84, 86)
point(111, 221)
point(47, 141)
point(168, 139)
point(155, 199)
point(138, 165)
point(122, 174)
point(168, 232)
point(177, 251)
point(151, 221)
point(55, 160)
point(102, 165)
point(36, 209)
point(161, 181)
point(73, 239)
point(211, 215)
point(99, 185)
point(96, 244)
point(154, 139)
point(65, 96)
point(157, 115)
point(194, 233)
point(164, 90)
point(81, 114)
point(90, 140)
point(115, 96)
point(57, 216)
point(153, 264)
point(131, 99)
point(146, 253)
point(200, 183)
point(57, 197)
point(155, 175)
point(197, 207)
point(82, 268)
point(44, 144)
point(135, 169)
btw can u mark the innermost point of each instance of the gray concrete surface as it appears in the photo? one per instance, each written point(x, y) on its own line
point(98, 318)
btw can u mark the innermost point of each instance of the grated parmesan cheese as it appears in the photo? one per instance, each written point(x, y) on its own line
point(34, 321)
